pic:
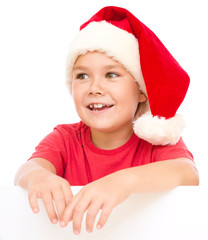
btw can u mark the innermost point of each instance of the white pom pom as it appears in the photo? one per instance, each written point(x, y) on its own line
point(159, 131)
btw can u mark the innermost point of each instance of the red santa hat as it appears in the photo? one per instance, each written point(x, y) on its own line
point(120, 35)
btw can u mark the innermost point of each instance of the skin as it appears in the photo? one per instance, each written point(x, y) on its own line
point(39, 177)
point(100, 79)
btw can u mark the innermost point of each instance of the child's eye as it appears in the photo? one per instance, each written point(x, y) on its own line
point(111, 75)
point(82, 76)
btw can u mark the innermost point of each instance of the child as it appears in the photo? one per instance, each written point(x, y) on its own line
point(126, 88)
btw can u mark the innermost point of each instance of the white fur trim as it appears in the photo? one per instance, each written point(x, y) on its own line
point(115, 42)
point(159, 131)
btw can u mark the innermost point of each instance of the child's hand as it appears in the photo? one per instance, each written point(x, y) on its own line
point(50, 187)
point(103, 194)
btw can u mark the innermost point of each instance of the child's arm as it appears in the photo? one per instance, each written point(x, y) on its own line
point(109, 191)
point(39, 177)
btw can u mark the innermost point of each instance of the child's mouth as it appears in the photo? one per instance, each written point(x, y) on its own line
point(99, 106)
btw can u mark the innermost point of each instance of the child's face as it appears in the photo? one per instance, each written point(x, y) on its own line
point(106, 96)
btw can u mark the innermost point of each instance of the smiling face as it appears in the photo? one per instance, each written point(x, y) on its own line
point(106, 96)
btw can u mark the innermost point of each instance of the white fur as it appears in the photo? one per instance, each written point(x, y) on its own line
point(159, 131)
point(115, 42)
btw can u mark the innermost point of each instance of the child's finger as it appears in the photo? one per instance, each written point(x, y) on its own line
point(68, 212)
point(67, 193)
point(49, 206)
point(105, 213)
point(78, 213)
point(32, 196)
point(91, 215)
point(60, 201)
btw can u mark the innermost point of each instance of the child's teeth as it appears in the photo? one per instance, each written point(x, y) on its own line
point(99, 105)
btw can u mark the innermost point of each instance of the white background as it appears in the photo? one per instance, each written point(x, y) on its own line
point(34, 39)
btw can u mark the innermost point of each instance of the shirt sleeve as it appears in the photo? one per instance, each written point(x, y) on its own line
point(52, 148)
point(179, 150)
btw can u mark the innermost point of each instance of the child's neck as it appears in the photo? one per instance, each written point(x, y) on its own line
point(110, 140)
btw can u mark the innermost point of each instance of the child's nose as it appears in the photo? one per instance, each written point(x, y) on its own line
point(96, 87)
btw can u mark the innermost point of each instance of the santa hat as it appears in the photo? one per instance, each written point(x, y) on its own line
point(120, 35)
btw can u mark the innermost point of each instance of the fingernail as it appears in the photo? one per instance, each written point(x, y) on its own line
point(98, 226)
point(76, 232)
point(62, 223)
point(54, 221)
point(88, 230)
point(35, 210)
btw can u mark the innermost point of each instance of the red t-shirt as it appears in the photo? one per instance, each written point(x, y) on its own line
point(70, 149)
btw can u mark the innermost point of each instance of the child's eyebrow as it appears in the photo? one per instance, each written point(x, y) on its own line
point(83, 68)
point(111, 66)
point(107, 67)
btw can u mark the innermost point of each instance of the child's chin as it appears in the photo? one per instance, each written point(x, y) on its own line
point(102, 126)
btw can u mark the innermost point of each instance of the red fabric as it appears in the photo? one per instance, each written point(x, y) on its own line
point(70, 149)
point(166, 82)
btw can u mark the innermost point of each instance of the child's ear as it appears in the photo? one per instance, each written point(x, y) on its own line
point(142, 97)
